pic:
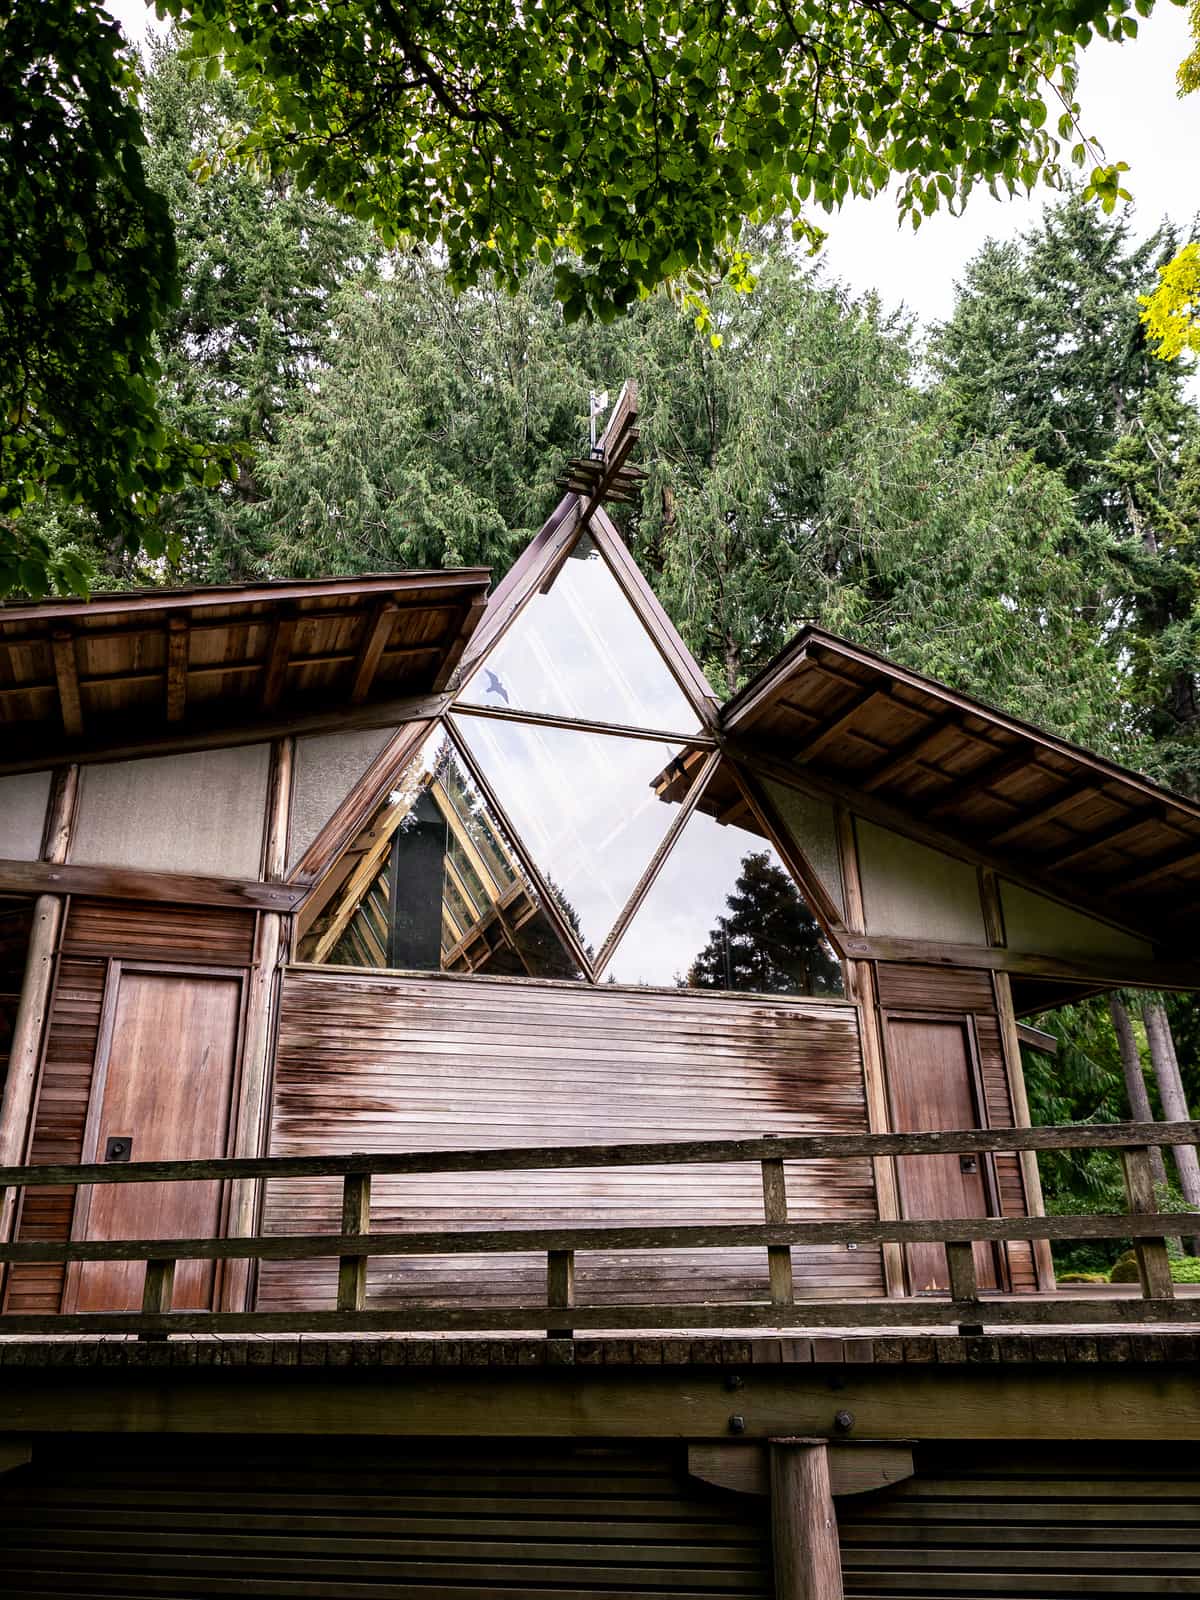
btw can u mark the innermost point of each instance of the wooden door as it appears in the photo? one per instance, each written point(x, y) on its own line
point(164, 1082)
point(933, 1083)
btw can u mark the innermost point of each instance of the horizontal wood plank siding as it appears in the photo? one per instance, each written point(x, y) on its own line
point(916, 988)
point(165, 1521)
point(986, 1520)
point(368, 1063)
point(58, 1127)
point(204, 934)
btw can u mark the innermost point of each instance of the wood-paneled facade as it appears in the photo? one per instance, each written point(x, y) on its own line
point(192, 781)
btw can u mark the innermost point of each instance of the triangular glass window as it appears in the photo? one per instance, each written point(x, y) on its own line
point(590, 808)
point(433, 883)
point(724, 912)
point(578, 649)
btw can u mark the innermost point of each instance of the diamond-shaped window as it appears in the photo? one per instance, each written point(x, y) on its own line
point(590, 808)
point(579, 650)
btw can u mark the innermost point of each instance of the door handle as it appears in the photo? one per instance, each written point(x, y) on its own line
point(968, 1164)
point(118, 1147)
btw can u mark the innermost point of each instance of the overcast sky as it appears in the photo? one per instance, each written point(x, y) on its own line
point(1130, 105)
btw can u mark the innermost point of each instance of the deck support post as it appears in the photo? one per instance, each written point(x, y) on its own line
point(804, 1535)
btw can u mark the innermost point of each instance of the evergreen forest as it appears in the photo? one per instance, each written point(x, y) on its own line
point(1010, 502)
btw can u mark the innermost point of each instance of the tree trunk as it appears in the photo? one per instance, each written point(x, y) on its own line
point(1170, 1090)
point(1135, 1083)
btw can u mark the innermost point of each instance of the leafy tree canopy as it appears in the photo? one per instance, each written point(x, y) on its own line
point(89, 274)
point(640, 134)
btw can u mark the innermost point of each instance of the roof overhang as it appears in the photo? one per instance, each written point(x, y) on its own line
point(912, 753)
point(126, 674)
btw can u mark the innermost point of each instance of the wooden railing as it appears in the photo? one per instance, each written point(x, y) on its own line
point(965, 1305)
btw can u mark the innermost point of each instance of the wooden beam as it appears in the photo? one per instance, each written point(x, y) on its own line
point(1037, 1039)
point(1056, 806)
point(66, 672)
point(376, 634)
point(855, 1466)
point(1112, 970)
point(1163, 868)
point(991, 772)
point(275, 665)
point(804, 1535)
point(128, 883)
point(471, 618)
point(227, 1393)
point(178, 645)
point(817, 741)
point(912, 749)
point(335, 717)
point(1113, 834)
point(14, 1453)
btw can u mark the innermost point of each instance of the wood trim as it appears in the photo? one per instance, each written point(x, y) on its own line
point(337, 718)
point(699, 741)
point(879, 1116)
point(1031, 1180)
point(60, 814)
point(83, 1193)
point(126, 883)
point(1115, 972)
point(434, 582)
point(250, 1117)
point(278, 815)
point(28, 1041)
point(991, 907)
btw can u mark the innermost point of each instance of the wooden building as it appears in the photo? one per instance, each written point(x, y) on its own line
point(486, 976)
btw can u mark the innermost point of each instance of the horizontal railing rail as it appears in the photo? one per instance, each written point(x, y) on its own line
point(964, 1304)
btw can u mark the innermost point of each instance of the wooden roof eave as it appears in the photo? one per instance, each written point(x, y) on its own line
point(796, 688)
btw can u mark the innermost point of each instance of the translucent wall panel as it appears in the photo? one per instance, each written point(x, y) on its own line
point(579, 649)
point(22, 815)
point(914, 892)
point(432, 883)
point(202, 812)
point(813, 830)
point(586, 806)
point(328, 765)
point(1036, 925)
point(725, 913)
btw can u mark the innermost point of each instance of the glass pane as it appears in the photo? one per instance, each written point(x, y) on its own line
point(725, 913)
point(587, 807)
point(580, 650)
point(432, 883)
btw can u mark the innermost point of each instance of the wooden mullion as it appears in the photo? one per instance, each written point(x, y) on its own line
point(618, 730)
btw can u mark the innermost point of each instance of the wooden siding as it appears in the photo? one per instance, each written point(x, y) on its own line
point(368, 1062)
point(944, 989)
point(985, 1520)
point(58, 1125)
point(212, 935)
point(165, 1520)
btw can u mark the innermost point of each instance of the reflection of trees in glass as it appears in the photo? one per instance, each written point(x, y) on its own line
point(769, 943)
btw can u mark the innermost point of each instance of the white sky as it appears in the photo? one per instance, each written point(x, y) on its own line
point(1130, 106)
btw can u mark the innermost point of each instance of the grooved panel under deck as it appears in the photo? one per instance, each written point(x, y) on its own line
point(168, 1519)
point(58, 1128)
point(1005, 1522)
point(914, 988)
point(373, 1063)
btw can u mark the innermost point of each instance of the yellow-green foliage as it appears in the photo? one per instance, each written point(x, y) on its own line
point(1189, 68)
point(1172, 312)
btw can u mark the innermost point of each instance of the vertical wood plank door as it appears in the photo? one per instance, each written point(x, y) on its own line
point(167, 1087)
point(931, 1081)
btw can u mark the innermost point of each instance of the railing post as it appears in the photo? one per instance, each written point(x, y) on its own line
point(356, 1218)
point(157, 1292)
point(779, 1256)
point(1154, 1264)
point(560, 1286)
point(964, 1285)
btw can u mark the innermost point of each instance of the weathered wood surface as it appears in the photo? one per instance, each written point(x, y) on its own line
point(804, 1537)
point(425, 1064)
point(128, 883)
point(854, 1468)
point(1001, 1312)
point(801, 1147)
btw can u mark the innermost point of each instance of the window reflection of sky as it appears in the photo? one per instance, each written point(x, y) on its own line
point(580, 651)
point(681, 910)
point(582, 803)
